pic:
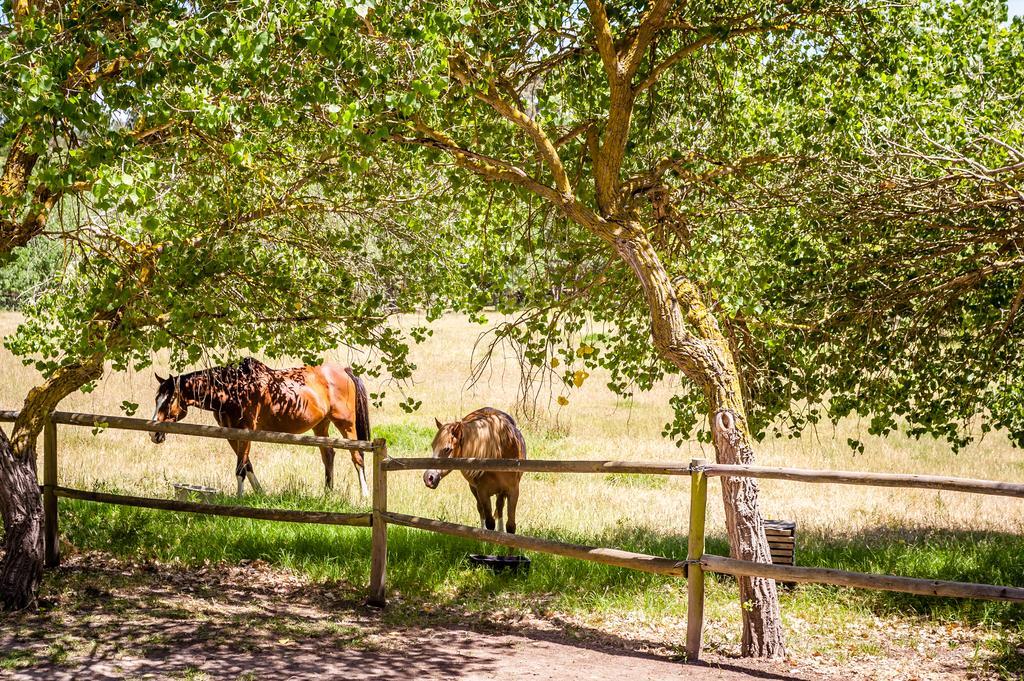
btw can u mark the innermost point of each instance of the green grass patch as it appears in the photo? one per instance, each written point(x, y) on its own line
point(432, 569)
point(407, 439)
point(17, 659)
point(644, 480)
point(962, 556)
point(422, 565)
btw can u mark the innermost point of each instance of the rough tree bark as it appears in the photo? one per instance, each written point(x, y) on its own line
point(20, 502)
point(21, 507)
point(686, 334)
point(747, 541)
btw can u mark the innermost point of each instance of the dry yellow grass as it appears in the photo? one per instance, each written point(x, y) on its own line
point(595, 424)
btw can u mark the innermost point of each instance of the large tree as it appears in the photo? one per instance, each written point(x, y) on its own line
point(125, 140)
point(612, 119)
point(674, 171)
point(631, 178)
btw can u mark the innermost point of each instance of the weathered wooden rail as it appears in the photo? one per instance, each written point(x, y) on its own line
point(692, 568)
point(697, 562)
point(1003, 489)
point(285, 515)
point(541, 466)
point(102, 421)
point(52, 491)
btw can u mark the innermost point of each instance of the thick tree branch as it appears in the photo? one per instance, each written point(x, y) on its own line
point(14, 234)
point(20, 162)
point(608, 155)
point(573, 133)
point(707, 39)
point(653, 178)
point(970, 279)
point(682, 53)
point(466, 74)
point(500, 170)
point(605, 40)
point(481, 164)
point(652, 22)
point(43, 399)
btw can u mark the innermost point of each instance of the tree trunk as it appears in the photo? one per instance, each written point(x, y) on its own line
point(686, 333)
point(762, 623)
point(21, 568)
point(20, 502)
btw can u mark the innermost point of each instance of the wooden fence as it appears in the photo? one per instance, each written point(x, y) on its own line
point(692, 567)
point(697, 562)
point(52, 490)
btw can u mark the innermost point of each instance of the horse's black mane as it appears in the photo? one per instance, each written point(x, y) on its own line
point(220, 387)
point(250, 365)
point(229, 373)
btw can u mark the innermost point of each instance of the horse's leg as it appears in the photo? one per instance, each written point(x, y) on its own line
point(483, 505)
point(499, 511)
point(348, 430)
point(239, 465)
point(357, 461)
point(326, 453)
point(480, 509)
point(241, 462)
point(513, 499)
point(243, 469)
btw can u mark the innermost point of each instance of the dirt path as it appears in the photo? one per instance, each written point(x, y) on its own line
point(426, 653)
point(105, 619)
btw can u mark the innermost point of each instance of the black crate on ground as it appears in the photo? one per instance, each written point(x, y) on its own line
point(781, 536)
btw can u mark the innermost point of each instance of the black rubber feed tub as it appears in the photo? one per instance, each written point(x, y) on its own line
point(514, 564)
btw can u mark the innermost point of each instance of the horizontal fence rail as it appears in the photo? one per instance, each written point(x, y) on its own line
point(1004, 489)
point(280, 514)
point(861, 580)
point(537, 466)
point(625, 559)
point(697, 561)
point(692, 568)
point(197, 430)
point(52, 491)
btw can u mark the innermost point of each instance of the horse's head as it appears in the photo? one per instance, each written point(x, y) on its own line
point(445, 445)
point(170, 404)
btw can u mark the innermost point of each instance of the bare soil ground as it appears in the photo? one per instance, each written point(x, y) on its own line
point(102, 618)
point(108, 619)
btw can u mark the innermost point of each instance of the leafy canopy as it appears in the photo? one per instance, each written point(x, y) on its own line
point(279, 178)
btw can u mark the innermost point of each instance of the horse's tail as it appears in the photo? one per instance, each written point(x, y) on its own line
point(362, 406)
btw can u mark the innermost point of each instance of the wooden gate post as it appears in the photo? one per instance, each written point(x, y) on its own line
point(51, 542)
point(379, 531)
point(694, 571)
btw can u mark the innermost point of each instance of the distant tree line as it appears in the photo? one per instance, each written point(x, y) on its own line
point(24, 278)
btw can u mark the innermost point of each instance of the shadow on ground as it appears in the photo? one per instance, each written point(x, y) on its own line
point(429, 579)
point(421, 563)
point(102, 618)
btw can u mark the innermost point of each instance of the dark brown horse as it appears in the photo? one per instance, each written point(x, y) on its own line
point(252, 396)
point(483, 434)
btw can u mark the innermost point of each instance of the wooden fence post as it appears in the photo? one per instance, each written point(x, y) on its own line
point(379, 531)
point(51, 540)
point(694, 571)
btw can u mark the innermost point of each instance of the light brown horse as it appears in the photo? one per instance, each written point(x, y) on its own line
point(252, 396)
point(483, 434)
